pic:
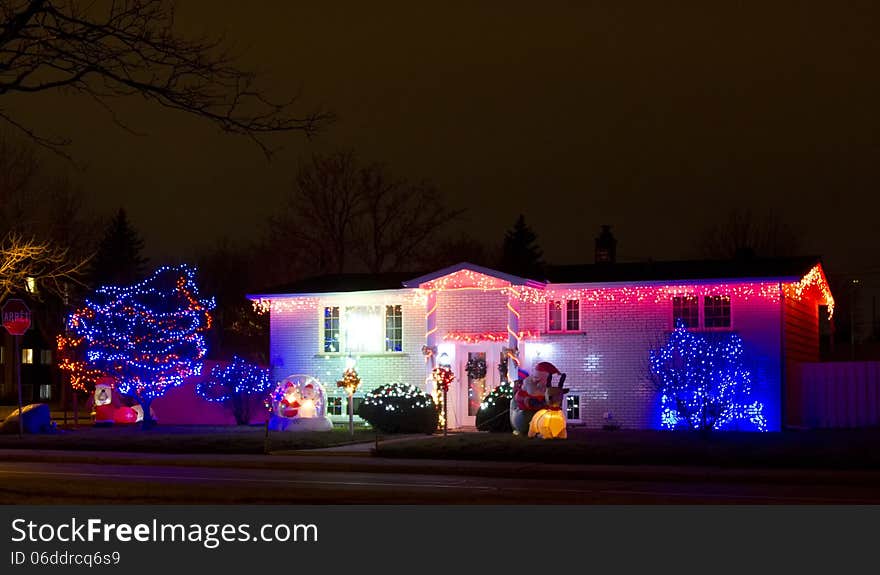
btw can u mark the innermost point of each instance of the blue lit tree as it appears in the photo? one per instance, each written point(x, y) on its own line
point(234, 384)
point(149, 336)
point(703, 383)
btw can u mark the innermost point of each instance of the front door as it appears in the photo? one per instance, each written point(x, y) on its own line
point(476, 383)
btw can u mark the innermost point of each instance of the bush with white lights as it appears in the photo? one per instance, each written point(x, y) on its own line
point(399, 408)
point(494, 412)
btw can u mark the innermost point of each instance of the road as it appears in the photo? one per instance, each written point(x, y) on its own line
point(27, 482)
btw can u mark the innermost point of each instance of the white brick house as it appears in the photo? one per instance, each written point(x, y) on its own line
point(595, 322)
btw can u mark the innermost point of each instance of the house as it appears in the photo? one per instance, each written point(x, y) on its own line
point(595, 322)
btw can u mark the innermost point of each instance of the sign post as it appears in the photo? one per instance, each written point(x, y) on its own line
point(17, 320)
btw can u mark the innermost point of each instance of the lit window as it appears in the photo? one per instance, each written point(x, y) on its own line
point(2, 355)
point(334, 406)
point(46, 356)
point(564, 315)
point(573, 407)
point(331, 329)
point(686, 309)
point(27, 355)
point(393, 328)
point(30, 284)
point(716, 311)
point(363, 329)
point(45, 392)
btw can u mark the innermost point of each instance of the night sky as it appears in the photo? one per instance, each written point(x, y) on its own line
point(655, 117)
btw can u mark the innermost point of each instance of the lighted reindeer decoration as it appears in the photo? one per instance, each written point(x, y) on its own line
point(549, 423)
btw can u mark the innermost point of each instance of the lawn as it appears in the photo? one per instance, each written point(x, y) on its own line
point(184, 439)
point(850, 449)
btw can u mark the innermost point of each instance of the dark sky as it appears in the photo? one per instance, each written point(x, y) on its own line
point(656, 117)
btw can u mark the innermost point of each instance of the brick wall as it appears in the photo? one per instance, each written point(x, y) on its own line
point(296, 346)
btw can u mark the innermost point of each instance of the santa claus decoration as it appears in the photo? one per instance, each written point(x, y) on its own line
point(530, 396)
point(298, 404)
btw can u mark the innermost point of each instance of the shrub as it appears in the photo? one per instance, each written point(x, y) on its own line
point(494, 414)
point(399, 408)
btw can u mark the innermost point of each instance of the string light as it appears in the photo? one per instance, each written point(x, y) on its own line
point(148, 337)
point(703, 383)
point(489, 336)
point(815, 278)
point(239, 378)
point(350, 381)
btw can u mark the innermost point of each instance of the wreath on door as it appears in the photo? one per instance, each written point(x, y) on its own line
point(476, 368)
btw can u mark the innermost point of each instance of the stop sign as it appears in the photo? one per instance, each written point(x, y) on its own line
point(16, 317)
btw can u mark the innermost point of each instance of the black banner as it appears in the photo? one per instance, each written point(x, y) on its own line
point(404, 539)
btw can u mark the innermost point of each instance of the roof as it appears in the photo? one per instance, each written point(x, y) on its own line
point(792, 268)
point(788, 267)
point(512, 279)
point(342, 283)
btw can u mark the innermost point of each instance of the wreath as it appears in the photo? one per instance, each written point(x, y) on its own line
point(476, 368)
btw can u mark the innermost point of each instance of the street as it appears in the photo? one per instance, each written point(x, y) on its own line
point(28, 482)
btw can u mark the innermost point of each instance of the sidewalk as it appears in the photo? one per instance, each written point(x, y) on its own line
point(361, 462)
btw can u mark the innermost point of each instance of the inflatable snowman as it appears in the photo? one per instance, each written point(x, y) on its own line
point(299, 404)
point(530, 396)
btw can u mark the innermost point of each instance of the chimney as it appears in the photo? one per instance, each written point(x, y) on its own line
point(606, 246)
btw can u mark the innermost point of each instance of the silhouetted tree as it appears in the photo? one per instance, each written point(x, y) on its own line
point(521, 254)
point(339, 210)
point(131, 47)
point(745, 235)
point(463, 248)
point(227, 272)
point(118, 260)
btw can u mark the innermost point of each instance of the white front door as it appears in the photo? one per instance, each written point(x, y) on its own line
point(471, 389)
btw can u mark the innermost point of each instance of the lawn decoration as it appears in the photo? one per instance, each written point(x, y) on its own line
point(299, 403)
point(443, 377)
point(530, 396)
point(109, 409)
point(549, 423)
point(350, 382)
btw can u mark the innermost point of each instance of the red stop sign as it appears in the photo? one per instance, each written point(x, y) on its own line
point(16, 317)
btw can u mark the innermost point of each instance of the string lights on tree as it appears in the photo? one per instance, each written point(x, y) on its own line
point(703, 382)
point(148, 337)
point(234, 385)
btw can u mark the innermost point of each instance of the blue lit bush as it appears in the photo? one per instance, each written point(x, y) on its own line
point(234, 384)
point(703, 383)
point(399, 408)
point(494, 412)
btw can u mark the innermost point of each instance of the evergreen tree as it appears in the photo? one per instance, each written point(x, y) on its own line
point(118, 260)
point(521, 254)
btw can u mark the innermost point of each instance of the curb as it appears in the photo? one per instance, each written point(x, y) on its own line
point(365, 463)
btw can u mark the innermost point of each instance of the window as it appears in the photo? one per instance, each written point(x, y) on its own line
point(2, 355)
point(393, 328)
point(45, 392)
point(30, 284)
point(46, 356)
point(687, 309)
point(331, 329)
point(27, 355)
point(573, 407)
point(334, 406)
point(573, 315)
point(564, 315)
point(363, 329)
point(716, 311)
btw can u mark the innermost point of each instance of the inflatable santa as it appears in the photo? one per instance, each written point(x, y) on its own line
point(530, 396)
point(299, 404)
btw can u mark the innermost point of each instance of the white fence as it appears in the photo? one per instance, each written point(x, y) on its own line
point(841, 394)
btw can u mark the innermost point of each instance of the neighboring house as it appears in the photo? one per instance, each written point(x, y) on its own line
point(595, 322)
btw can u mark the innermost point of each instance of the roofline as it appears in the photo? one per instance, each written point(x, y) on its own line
point(614, 284)
point(514, 280)
point(256, 296)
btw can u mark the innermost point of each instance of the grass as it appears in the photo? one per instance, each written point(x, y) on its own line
point(184, 439)
point(832, 449)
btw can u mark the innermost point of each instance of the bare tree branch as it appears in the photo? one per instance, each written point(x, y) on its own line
point(124, 47)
